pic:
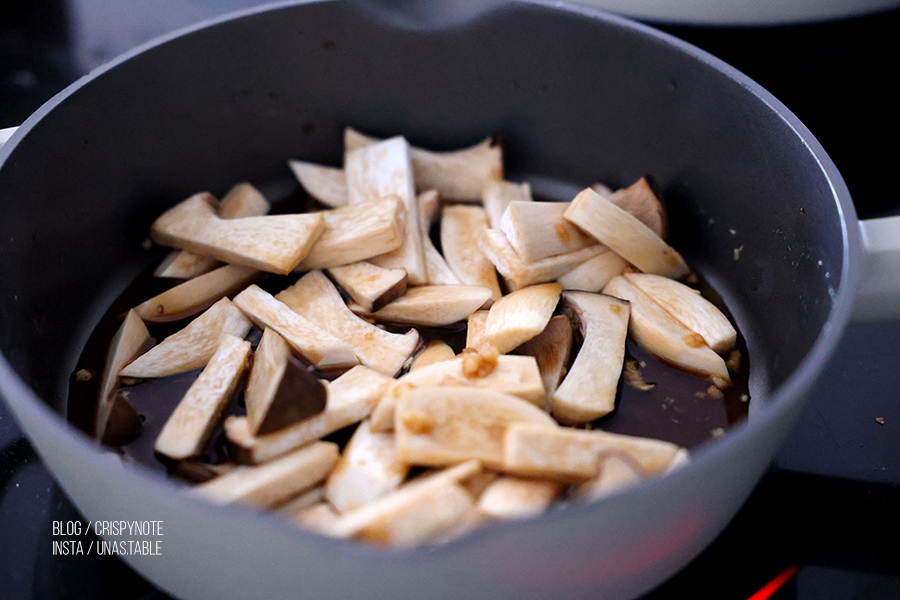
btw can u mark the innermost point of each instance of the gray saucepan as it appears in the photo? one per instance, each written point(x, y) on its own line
point(577, 95)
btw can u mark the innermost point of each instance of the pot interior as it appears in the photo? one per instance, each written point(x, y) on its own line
point(573, 97)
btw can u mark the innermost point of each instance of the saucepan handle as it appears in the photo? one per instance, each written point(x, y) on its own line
point(878, 294)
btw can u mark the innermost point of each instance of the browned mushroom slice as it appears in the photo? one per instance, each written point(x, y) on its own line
point(383, 169)
point(479, 362)
point(322, 349)
point(123, 425)
point(382, 418)
point(418, 512)
point(439, 272)
point(320, 518)
point(446, 425)
point(604, 190)
point(291, 508)
point(354, 140)
point(367, 470)
point(378, 170)
point(429, 207)
point(593, 274)
point(434, 305)
point(511, 497)
point(130, 339)
point(641, 200)
point(280, 390)
point(616, 474)
point(370, 286)
point(190, 426)
point(181, 264)
point(355, 233)
point(551, 349)
point(195, 295)
point(315, 297)
point(470, 520)
point(508, 373)
point(461, 228)
point(573, 455)
point(475, 328)
point(690, 309)
point(519, 316)
point(478, 483)
point(661, 334)
point(193, 346)
point(272, 483)
point(328, 185)
point(520, 274)
point(273, 243)
point(625, 234)
point(242, 200)
point(589, 390)
point(537, 230)
point(459, 175)
point(511, 374)
point(434, 351)
point(350, 399)
point(499, 194)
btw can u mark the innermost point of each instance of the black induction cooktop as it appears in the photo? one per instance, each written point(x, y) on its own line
point(823, 523)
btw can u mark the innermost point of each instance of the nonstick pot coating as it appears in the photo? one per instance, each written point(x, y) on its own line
point(572, 96)
point(234, 102)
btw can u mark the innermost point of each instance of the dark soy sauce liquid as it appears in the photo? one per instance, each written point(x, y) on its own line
point(679, 408)
point(152, 399)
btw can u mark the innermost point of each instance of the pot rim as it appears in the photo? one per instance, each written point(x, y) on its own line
point(22, 399)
